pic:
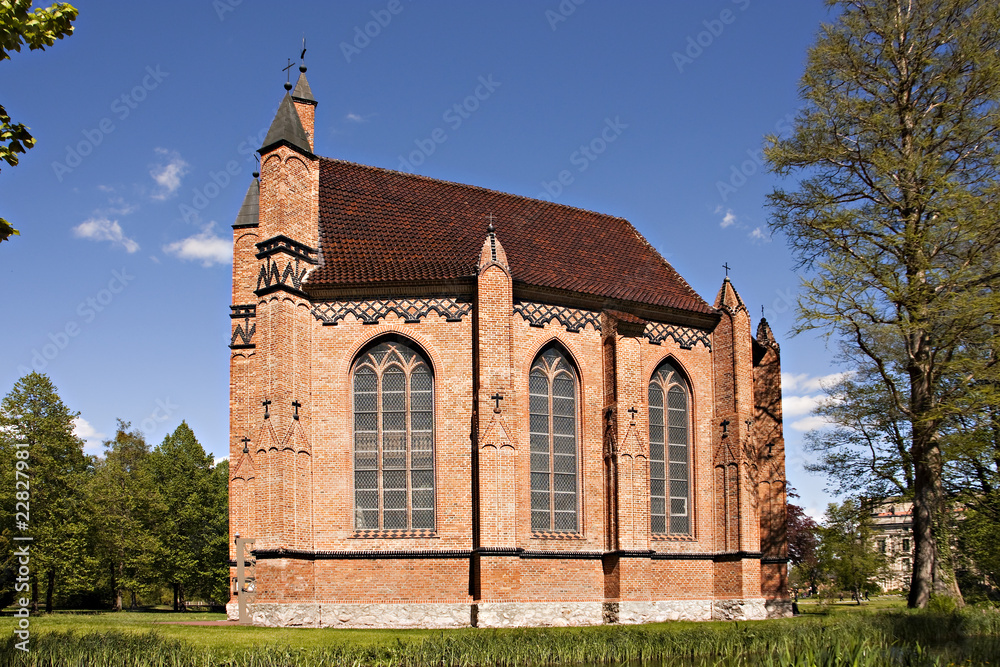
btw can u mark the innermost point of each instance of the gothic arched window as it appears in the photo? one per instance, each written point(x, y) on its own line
point(552, 408)
point(393, 439)
point(669, 452)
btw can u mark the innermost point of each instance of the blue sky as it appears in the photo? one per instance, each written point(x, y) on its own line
point(147, 119)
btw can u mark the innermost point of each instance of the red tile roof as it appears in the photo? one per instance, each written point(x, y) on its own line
point(378, 225)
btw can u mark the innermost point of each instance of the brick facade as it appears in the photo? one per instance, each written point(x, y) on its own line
point(298, 333)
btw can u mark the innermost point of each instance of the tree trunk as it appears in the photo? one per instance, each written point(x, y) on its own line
point(116, 591)
point(51, 585)
point(183, 602)
point(134, 605)
point(925, 453)
point(177, 606)
point(34, 595)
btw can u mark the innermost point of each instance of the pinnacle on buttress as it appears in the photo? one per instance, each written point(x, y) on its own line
point(286, 128)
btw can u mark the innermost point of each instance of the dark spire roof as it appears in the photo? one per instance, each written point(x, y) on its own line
point(286, 128)
point(249, 214)
point(302, 92)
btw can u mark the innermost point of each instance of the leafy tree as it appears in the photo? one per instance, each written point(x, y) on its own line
point(196, 527)
point(803, 543)
point(848, 551)
point(37, 28)
point(126, 509)
point(32, 414)
point(897, 148)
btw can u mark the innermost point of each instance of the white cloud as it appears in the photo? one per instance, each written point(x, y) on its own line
point(728, 219)
point(809, 423)
point(103, 229)
point(220, 459)
point(168, 173)
point(355, 118)
point(793, 406)
point(758, 234)
point(204, 246)
point(807, 384)
point(92, 439)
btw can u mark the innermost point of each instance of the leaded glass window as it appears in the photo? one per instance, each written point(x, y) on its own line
point(669, 452)
point(553, 426)
point(393, 439)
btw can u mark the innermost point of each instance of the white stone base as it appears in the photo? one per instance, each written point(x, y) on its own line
point(375, 615)
point(233, 611)
point(538, 614)
point(666, 610)
point(779, 609)
point(504, 614)
point(750, 609)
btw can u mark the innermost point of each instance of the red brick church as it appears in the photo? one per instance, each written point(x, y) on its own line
point(452, 406)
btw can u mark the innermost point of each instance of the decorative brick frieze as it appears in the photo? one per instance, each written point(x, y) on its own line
point(283, 244)
point(286, 276)
point(687, 338)
point(540, 314)
point(244, 331)
point(373, 312)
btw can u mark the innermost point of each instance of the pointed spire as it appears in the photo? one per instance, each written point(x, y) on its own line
point(492, 252)
point(303, 93)
point(249, 215)
point(728, 297)
point(764, 334)
point(286, 129)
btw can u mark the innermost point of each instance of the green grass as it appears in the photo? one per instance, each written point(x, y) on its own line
point(866, 636)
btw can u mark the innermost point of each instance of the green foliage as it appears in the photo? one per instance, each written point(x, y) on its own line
point(32, 414)
point(38, 28)
point(897, 154)
point(848, 551)
point(126, 509)
point(195, 529)
point(865, 640)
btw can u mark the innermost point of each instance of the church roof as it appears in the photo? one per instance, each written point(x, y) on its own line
point(302, 92)
point(286, 128)
point(378, 225)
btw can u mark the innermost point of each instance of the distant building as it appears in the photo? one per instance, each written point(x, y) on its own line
point(893, 528)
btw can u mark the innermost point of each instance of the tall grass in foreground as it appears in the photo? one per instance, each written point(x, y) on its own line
point(971, 637)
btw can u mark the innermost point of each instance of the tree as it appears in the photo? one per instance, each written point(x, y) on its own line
point(37, 28)
point(897, 148)
point(195, 530)
point(848, 551)
point(126, 508)
point(803, 544)
point(33, 418)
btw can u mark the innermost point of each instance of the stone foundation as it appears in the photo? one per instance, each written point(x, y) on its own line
point(506, 614)
point(751, 609)
point(779, 608)
point(376, 615)
point(538, 614)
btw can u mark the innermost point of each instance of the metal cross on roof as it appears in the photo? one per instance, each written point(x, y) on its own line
point(725, 265)
point(490, 227)
point(497, 397)
point(288, 74)
point(266, 403)
point(296, 405)
point(725, 426)
point(632, 411)
point(246, 449)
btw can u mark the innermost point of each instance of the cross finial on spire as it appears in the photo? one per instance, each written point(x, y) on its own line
point(246, 449)
point(490, 228)
point(288, 74)
point(725, 265)
point(266, 403)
